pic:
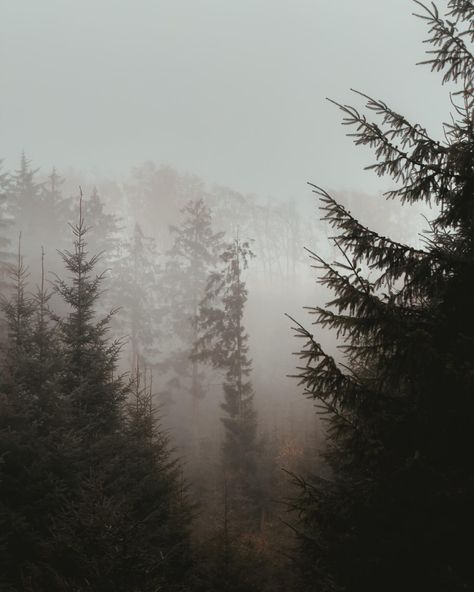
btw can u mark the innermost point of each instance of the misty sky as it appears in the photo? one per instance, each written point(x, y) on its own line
point(230, 90)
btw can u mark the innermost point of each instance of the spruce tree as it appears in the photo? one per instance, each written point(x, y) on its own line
point(134, 284)
point(158, 539)
point(90, 496)
point(124, 524)
point(104, 229)
point(27, 207)
point(53, 218)
point(19, 310)
point(126, 527)
point(31, 445)
point(192, 257)
point(93, 392)
point(5, 223)
point(223, 342)
point(86, 533)
point(396, 511)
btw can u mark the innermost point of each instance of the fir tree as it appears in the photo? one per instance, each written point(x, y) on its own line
point(19, 311)
point(103, 238)
point(397, 511)
point(27, 207)
point(125, 522)
point(30, 442)
point(54, 216)
point(135, 285)
point(226, 562)
point(104, 230)
point(126, 527)
point(223, 341)
point(5, 222)
point(90, 496)
point(158, 535)
point(192, 257)
point(31, 362)
point(94, 394)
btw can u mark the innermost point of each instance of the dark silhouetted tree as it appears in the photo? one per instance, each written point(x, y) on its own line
point(32, 448)
point(125, 522)
point(397, 511)
point(94, 394)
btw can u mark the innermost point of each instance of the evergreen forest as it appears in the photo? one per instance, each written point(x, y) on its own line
point(204, 390)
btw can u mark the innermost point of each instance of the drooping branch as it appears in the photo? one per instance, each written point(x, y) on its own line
point(450, 52)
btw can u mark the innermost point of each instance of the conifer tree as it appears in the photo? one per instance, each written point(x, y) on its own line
point(90, 496)
point(397, 511)
point(135, 285)
point(30, 443)
point(226, 562)
point(19, 311)
point(94, 393)
point(192, 257)
point(5, 222)
point(54, 216)
point(26, 190)
point(27, 207)
point(223, 341)
point(104, 229)
point(127, 525)
point(31, 360)
point(158, 538)
point(125, 522)
point(86, 531)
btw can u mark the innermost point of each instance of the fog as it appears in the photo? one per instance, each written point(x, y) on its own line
point(180, 137)
point(232, 92)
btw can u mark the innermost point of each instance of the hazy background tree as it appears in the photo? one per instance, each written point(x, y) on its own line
point(135, 284)
point(223, 341)
point(192, 257)
point(5, 222)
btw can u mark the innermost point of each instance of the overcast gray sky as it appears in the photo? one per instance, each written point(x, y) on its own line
point(230, 90)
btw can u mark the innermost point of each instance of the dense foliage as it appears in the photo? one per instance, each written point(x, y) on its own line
point(140, 449)
point(396, 510)
point(90, 497)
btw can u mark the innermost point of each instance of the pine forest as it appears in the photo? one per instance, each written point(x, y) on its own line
point(204, 389)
